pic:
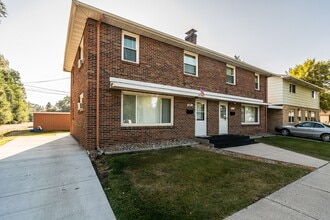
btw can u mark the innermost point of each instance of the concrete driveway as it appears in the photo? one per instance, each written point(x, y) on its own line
point(49, 177)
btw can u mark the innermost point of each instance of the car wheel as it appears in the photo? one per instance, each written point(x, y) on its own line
point(325, 137)
point(285, 132)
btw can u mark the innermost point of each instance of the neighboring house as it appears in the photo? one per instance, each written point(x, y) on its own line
point(325, 117)
point(291, 101)
point(132, 85)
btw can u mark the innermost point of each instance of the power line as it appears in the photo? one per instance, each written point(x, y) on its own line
point(50, 80)
point(53, 93)
point(54, 90)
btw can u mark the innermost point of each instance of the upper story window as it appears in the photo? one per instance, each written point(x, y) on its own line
point(230, 75)
point(292, 88)
point(130, 47)
point(313, 94)
point(190, 63)
point(81, 53)
point(257, 81)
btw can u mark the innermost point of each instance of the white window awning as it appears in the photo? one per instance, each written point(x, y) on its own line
point(126, 84)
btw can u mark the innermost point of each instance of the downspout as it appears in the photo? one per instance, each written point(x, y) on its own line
point(98, 54)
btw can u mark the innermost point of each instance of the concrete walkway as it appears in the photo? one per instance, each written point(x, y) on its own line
point(278, 154)
point(307, 198)
point(49, 177)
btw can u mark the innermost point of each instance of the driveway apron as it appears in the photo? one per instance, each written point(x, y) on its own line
point(49, 177)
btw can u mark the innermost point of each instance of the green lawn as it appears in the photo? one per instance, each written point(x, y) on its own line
point(187, 183)
point(6, 137)
point(309, 147)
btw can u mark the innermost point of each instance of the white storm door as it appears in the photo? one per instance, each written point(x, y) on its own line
point(223, 121)
point(200, 118)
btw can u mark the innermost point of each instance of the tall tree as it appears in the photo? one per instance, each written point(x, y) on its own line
point(6, 115)
point(317, 73)
point(12, 94)
point(3, 10)
point(64, 104)
point(50, 108)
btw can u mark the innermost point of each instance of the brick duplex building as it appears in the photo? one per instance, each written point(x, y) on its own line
point(132, 85)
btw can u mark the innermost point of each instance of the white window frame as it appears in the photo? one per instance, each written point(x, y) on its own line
point(292, 88)
point(313, 116)
point(299, 115)
point(258, 81)
point(234, 71)
point(313, 94)
point(291, 116)
point(81, 103)
point(196, 58)
point(137, 39)
point(145, 125)
point(252, 123)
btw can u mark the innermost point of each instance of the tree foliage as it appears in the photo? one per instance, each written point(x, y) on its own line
point(64, 104)
point(13, 105)
point(317, 73)
point(3, 10)
point(50, 108)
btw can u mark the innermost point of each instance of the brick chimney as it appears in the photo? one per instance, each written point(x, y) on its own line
point(191, 36)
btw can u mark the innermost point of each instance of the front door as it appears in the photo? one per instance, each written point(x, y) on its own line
point(223, 121)
point(200, 118)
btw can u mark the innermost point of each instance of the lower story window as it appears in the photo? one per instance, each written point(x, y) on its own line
point(146, 110)
point(291, 116)
point(313, 116)
point(249, 114)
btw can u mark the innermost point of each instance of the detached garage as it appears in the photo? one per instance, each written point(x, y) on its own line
point(52, 121)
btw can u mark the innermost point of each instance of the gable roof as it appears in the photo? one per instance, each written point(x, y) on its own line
point(80, 12)
point(301, 82)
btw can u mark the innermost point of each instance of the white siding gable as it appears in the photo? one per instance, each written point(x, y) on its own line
point(279, 94)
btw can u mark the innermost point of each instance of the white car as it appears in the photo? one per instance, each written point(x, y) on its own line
point(308, 129)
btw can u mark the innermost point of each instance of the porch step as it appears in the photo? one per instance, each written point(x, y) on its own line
point(223, 141)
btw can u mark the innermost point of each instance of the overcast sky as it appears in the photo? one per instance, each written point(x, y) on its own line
point(272, 35)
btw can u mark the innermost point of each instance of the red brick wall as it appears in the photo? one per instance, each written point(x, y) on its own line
point(212, 117)
point(159, 63)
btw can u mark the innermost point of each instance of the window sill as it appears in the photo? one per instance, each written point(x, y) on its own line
point(250, 123)
point(190, 74)
point(232, 84)
point(145, 125)
point(130, 62)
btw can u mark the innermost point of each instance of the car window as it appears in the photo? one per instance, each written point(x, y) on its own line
point(318, 125)
point(307, 125)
